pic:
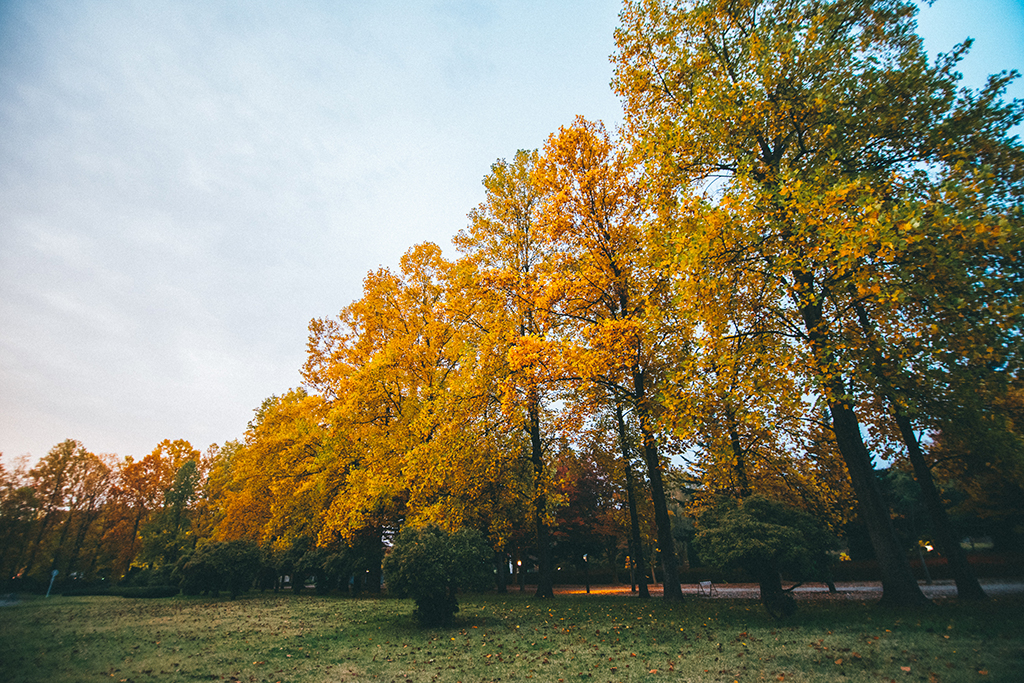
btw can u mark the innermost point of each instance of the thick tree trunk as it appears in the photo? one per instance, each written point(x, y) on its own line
point(636, 552)
point(967, 586)
point(899, 587)
point(502, 575)
point(778, 602)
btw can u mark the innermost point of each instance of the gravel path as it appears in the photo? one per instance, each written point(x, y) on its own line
point(846, 590)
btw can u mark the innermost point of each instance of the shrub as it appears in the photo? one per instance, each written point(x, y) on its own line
point(217, 566)
point(431, 566)
point(146, 591)
point(765, 537)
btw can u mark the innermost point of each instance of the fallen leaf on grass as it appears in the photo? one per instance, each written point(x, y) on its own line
point(983, 672)
point(905, 668)
point(839, 661)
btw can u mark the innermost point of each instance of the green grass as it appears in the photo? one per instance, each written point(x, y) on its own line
point(506, 638)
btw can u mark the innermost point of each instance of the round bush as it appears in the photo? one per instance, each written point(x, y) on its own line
point(431, 566)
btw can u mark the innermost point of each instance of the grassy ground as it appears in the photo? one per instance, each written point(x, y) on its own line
point(507, 638)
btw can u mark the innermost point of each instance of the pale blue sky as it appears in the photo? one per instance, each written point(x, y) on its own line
point(185, 184)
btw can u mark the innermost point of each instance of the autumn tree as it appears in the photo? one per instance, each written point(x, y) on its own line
point(167, 534)
point(138, 492)
point(620, 329)
point(18, 506)
point(839, 152)
point(270, 493)
point(740, 404)
point(415, 431)
point(503, 247)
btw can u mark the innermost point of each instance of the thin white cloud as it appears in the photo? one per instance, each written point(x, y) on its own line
point(185, 184)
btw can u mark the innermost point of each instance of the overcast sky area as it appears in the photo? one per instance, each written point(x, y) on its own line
point(184, 185)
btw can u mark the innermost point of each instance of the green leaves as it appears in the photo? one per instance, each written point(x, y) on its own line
point(431, 566)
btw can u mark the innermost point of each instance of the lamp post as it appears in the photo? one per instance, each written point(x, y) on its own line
point(586, 571)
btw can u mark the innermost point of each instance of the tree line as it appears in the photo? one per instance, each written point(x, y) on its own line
point(800, 257)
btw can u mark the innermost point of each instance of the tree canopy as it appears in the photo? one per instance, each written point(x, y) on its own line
point(797, 262)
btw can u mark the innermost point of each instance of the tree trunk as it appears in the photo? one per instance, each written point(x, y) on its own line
point(636, 552)
point(377, 563)
point(666, 542)
point(967, 586)
point(502, 572)
point(740, 466)
point(545, 583)
point(778, 602)
point(899, 587)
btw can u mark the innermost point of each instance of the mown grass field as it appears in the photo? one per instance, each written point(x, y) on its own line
point(502, 638)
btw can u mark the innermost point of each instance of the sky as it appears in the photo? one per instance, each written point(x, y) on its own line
point(185, 184)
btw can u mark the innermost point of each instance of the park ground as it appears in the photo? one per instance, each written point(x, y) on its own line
point(607, 636)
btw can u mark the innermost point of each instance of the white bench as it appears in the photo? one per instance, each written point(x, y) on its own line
point(707, 588)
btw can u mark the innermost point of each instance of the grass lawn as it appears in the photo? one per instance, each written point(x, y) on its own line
point(508, 638)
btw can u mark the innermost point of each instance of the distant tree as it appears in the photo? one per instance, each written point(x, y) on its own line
point(216, 566)
point(18, 505)
point(166, 535)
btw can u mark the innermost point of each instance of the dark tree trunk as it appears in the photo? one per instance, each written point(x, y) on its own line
point(899, 587)
point(967, 586)
point(636, 552)
point(377, 564)
point(502, 574)
point(778, 602)
point(545, 582)
point(666, 542)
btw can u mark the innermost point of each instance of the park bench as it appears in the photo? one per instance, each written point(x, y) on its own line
point(706, 588)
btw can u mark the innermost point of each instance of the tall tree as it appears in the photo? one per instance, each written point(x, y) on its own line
point(621, 333)
point(503, 245)
point(53, 479)
point(166, 536)
point(271, 494)
point(414, 433)
point(139, 492)
point(840, 148)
